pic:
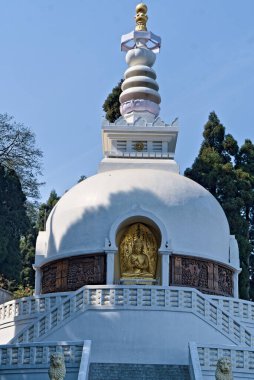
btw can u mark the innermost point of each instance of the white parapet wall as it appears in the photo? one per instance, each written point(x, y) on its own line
point(19, 313)
point(241, 309)
point(32, 361)
point(22, 307)
point(137, 324)
point(204, 358)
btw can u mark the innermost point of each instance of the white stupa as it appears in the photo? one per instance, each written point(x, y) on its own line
point(137, 259)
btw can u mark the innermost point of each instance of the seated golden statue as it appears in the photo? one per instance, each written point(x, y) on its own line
point(138, 252)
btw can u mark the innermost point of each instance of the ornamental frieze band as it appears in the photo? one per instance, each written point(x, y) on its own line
point(205, 275)
point(73, 273)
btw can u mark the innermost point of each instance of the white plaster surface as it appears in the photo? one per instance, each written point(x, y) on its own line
point(9, 329)
point(143, 336)
point(81, 220)
point(108, 164)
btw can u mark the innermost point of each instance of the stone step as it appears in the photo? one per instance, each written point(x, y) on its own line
point(114, 371)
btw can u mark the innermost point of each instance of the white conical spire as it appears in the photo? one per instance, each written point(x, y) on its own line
point(139, 138)
point(140, 89)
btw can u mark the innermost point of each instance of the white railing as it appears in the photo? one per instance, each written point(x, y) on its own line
point(27, 306)
point(194, 364)
point(241, 309)
point(85, 361)
point(38, 354)
point(137, 297)
point(207, 356)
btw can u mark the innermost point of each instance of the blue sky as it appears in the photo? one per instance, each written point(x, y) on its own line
point(60, 59)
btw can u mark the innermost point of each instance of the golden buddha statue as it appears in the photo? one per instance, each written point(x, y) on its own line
point(138, 252)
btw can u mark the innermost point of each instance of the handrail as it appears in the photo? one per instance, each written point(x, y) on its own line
point(30, 354)
point(241, 358)
point(27, 306)
point(194, 364)
point(137, 297)
point(85, 361)
point(19, 308)
point(241, 309)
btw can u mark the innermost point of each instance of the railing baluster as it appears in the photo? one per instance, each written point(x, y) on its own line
point(170, 298)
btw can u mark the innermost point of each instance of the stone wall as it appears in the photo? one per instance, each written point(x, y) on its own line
point(111, 371)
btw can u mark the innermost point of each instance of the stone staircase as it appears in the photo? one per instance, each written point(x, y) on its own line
point(139, 298)
point(111, 371)
point(228, 316)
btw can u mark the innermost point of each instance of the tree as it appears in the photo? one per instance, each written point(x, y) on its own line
point(218, 169)
point(19, 153)
point(45, 209)
point(27, 251)
point(245, 164)
point(13, 223)
point(82, 178)
point(112, 105)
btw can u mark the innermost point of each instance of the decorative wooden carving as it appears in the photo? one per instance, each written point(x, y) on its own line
point(225, 282)
point(86, 271)
point(205, 275)
point(74, 272)
point(49, 278)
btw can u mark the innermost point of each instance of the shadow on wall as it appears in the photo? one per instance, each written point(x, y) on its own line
point(188, 221)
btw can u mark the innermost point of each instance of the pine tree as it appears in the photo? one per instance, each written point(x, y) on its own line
point(218, 169)
point(27, 250)
point(112, 105)
point(45, 209)
point(245, 166)
point(13, 223)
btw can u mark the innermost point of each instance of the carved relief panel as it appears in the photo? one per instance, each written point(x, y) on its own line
point(73, 273)
point(49, 278)
point(87, 270)
point(204, 275)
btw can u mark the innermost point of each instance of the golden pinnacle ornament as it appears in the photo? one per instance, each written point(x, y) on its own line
point(141, 17)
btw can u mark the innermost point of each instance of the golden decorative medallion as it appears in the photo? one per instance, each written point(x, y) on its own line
point(138, 252)
point(139, 146)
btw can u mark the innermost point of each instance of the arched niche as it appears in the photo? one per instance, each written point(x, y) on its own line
point(141, 215)
point(137, 239)
point(150, 224)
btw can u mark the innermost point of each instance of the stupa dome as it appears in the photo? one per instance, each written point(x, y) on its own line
point(138, 221)
point(189, 218)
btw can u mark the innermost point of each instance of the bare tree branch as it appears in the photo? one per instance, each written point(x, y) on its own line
point(18, 151)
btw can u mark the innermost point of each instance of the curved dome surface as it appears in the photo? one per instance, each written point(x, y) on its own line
point(82, 219)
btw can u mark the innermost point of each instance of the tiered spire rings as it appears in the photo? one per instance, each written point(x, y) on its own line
point(140, 89)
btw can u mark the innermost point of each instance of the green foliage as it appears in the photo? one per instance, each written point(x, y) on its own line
point(13, 222)
point(6, 284)
point(45, 209)
point(228, 173)
point(27, 250)
point(112, 105)
point(20, 164)
point(19, 153)
point(22, 291)
point(245, 166)
point(82, 178)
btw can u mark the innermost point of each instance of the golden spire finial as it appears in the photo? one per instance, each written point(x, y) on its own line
point(141, 17)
